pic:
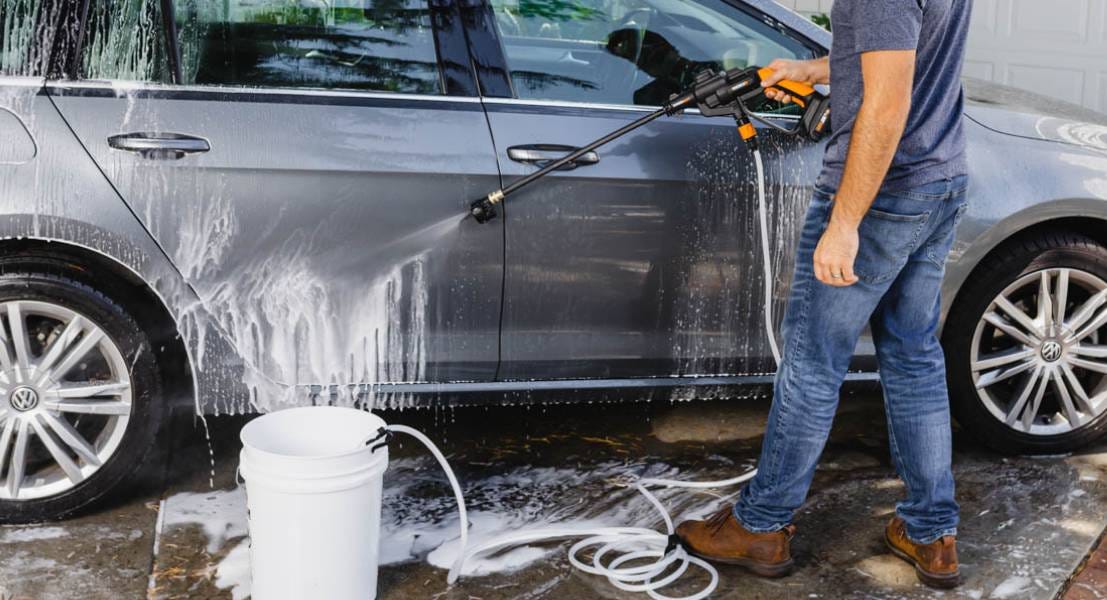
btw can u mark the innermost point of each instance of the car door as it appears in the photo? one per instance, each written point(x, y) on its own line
point(307, 167)
point(643, 262)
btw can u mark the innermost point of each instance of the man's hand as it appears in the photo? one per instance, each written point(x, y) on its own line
point(835, 254)
point(811, 72)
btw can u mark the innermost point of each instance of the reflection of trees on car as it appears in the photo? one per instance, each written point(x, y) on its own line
point(384, 46)
point(114, 51)
point(18, 36)
point(291, 13)
point(537, 81)
point(555, 19)
point(558, 10)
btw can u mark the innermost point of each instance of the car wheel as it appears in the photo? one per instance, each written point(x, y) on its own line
point(1026, 347)
point(79, 396)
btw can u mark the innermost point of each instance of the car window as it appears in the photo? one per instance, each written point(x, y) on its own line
point(29, 31)
point(124, 40)
point(628, 51)
point(17, 21)
point(384, 45)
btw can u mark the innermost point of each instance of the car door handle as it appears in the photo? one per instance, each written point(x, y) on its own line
point(543, 154)
point(159, 145)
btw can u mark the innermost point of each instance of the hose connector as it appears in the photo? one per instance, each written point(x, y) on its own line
point(673, 543)
point(746, 130)
point(484, 209)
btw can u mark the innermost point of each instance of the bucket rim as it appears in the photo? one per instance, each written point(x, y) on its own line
point(255, 473)
point(247, 447)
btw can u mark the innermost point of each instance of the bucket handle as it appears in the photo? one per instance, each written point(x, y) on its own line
point(378, 441)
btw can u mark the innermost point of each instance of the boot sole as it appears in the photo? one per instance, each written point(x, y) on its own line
point(934, 580)
point(770, 570)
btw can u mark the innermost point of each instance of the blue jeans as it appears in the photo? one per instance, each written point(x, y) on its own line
point(905, 239)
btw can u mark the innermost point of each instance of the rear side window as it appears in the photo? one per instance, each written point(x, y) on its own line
point(629, 51)
point(124, 40)
point(382, 45)
point(17, 30)
point(30, 32)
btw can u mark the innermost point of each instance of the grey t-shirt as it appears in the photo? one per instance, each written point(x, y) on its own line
point(933, 143)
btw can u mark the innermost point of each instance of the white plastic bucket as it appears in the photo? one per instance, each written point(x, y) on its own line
point(313, 496)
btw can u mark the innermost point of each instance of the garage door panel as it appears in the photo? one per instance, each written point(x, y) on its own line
point(1101, 39)
point(1102, 99)
point(1066, 84)
point(979, 69)
point(985, 19)
point(1056, 48)
point(1062, 21)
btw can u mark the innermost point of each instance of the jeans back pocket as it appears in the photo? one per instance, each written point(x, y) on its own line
point(940, 241)
point(887, 236)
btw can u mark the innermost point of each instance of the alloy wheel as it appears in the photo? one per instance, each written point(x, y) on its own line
point(65, 399)
point(1036, 360)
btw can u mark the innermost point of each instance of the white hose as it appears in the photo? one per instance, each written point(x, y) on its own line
point(622, 544)
point(766, 256)
point(625, 544)
point(462, 514)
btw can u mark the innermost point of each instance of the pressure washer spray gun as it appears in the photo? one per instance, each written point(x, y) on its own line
point(730, 93)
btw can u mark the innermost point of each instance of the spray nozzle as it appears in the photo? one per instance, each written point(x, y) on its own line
point(484, 209)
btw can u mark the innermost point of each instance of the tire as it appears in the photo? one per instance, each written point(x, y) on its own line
point(119, 361)
point(1051, 365)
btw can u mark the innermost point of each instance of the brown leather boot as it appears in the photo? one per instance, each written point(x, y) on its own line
point(722, 539)
point(935, 563)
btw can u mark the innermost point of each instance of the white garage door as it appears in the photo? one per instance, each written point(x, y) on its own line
point(1053, 47)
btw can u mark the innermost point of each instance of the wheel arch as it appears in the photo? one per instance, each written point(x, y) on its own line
point(123, 285)
point(1073, 216)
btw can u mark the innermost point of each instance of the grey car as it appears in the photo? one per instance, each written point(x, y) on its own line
point(247, 204)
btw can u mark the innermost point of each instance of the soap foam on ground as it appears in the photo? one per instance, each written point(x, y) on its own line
point(419, 518)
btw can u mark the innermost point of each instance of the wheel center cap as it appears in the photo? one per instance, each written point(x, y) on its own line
point(1051, 351)
point(23, 398)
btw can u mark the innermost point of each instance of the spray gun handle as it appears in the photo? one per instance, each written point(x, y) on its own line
point(801, 93)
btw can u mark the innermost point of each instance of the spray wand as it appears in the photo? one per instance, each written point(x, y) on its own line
point(729, 93)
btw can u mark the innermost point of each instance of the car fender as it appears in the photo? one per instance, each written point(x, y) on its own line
point(1016, 184)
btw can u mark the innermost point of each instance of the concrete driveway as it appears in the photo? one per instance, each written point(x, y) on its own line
point(1028, 523)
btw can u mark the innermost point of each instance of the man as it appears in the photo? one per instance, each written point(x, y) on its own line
point(872, 250)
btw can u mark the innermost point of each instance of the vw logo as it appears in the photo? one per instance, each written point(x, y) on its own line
point(1051, 351)
point(24, 398)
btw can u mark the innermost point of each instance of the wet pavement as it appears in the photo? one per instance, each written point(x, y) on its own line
point(1027, 523)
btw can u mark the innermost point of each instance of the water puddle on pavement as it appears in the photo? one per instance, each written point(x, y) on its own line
point(1026, 522)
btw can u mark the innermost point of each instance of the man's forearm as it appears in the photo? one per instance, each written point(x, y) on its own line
point(876, 135)
point(821, 70)
point(873, 142)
